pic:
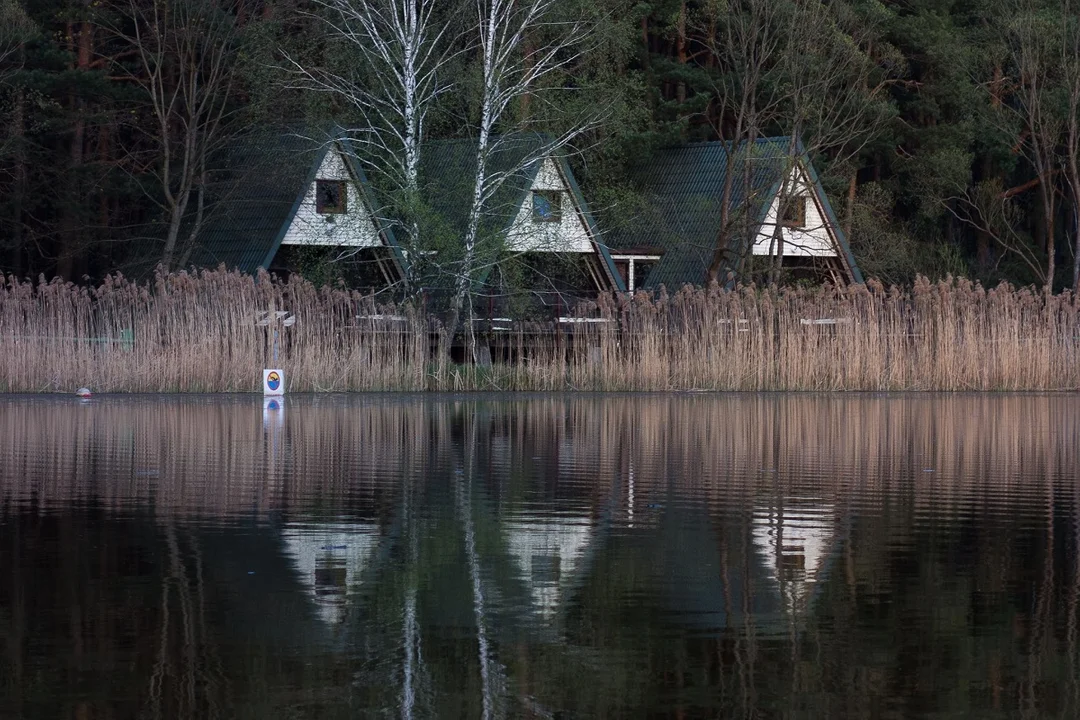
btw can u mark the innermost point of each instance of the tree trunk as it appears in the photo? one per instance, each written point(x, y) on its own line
point(176, 216)
point(104, 146)
point(1072, 164)
point(1047, 195)
point(70, 230)
point(197, 223)
point(645, 50)
point(18, 191)
point(680, 88)
point(1075, 183)
point(722, 251)
point(982, 241)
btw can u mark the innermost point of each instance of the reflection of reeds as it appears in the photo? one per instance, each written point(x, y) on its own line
point(950, 474)
point(200, 333)
point(190, 455)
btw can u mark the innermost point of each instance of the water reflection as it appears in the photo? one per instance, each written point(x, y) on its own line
point(684, 555)
point(330, 558)
point(795, 542)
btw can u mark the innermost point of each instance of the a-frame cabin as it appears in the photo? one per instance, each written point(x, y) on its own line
point(292, 201)
point(777, 212)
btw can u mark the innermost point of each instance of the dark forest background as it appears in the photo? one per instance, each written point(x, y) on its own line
point(946, 132)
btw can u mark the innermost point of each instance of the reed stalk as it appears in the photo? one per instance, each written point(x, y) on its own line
point(200, 332)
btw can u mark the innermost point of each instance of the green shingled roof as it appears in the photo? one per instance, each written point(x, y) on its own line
point(448, 172)
point(447, 182)
point(259, 192)
point(682, 192)
point(447, 176)
point(268, 175)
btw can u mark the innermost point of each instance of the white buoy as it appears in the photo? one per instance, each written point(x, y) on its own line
point(83, 392)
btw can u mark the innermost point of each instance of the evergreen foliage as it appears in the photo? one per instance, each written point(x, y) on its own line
point(945, 132)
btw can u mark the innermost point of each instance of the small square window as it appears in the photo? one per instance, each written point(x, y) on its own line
point(547, 205)
point(794, 212)
point(330, 196)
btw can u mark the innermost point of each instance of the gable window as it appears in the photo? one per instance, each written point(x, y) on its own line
point(330, 197)
point(546, 206)
point(794, 215)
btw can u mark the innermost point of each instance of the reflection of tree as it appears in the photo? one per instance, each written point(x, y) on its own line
point(189, 661)
point(146, 553)
point(489, 669)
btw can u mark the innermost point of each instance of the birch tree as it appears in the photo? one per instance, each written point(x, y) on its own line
point(404, 51)
point(186, 67)
point(15, 29)
point(521, 44)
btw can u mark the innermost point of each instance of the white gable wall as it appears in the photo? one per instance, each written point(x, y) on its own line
point(344, 547)
point(542, 544)
point(353, 228)
point(814, 240)
point(567, 235)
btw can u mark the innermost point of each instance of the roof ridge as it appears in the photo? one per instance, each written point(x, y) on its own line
point(726, 143)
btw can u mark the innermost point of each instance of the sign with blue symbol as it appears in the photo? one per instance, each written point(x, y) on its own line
point(273, 382)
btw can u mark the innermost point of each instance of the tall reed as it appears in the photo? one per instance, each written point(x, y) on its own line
point(201, 332)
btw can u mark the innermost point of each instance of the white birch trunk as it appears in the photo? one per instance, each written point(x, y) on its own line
point(404, 49)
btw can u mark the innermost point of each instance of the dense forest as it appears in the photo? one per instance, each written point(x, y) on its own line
point(946, 131)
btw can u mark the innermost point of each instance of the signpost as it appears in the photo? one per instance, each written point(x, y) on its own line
point(273, 381)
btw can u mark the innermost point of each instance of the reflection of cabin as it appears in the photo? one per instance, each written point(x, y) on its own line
point(795, 544)
point(548, 552)
point(293, 203)
point(695, 569)
point(329, 558)
point(670, 240)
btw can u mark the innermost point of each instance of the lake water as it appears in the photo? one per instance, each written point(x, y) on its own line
point(768, 556)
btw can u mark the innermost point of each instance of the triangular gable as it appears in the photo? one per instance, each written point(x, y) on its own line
point(814, 238)
point(359, 226)
point(823, 217)
point(353, 227)
point(448, 170)
point(565, 232)
point(576, 229)
point(263, 188)
point(680, 216)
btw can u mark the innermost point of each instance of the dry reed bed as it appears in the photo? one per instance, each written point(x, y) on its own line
point(199, 332)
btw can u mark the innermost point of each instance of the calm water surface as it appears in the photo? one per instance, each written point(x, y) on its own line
point(768, 556)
